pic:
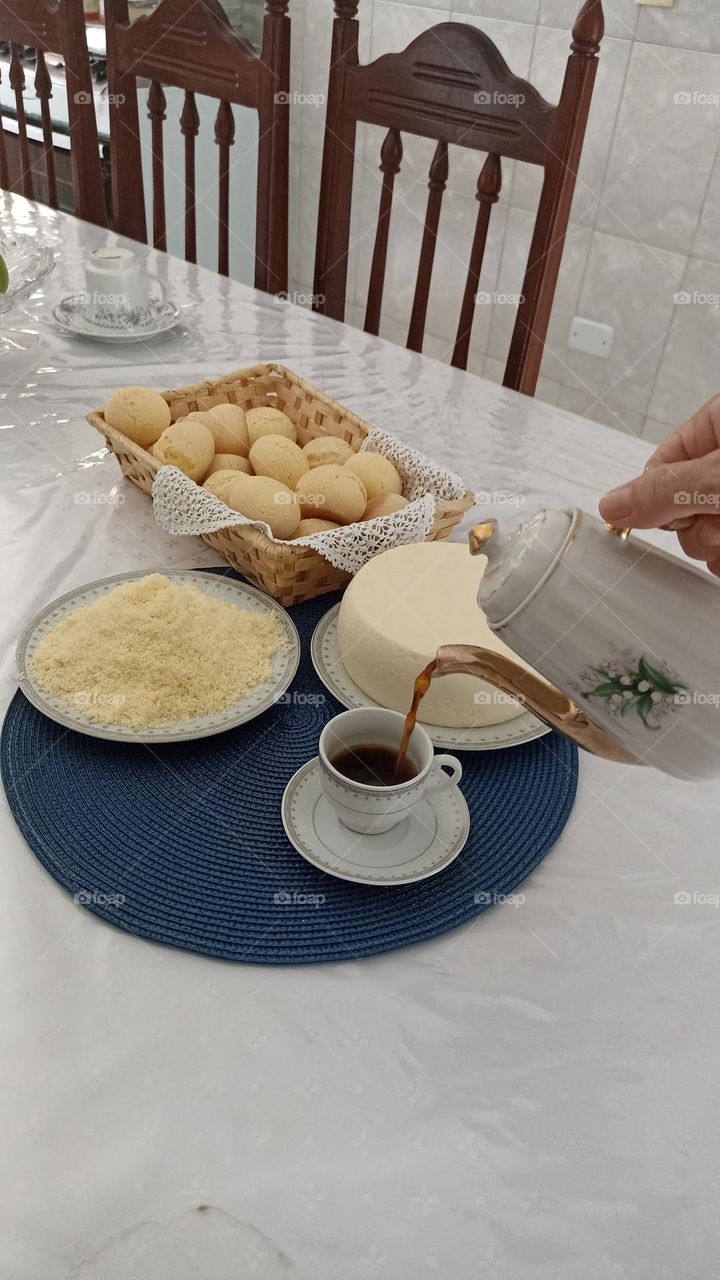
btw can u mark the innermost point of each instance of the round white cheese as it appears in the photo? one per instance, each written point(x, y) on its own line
point(398, 609)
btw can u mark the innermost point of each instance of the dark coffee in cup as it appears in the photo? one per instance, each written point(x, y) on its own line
point(373, 765)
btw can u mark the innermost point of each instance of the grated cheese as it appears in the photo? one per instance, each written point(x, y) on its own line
point(155, 652)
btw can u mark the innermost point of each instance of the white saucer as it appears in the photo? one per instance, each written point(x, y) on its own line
point(425, 842)
point(157, 317)
point(325, 653)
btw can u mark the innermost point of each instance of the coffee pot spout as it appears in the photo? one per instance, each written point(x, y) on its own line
point(549, 704)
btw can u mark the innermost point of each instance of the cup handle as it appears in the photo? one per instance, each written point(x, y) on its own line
point(443, 762)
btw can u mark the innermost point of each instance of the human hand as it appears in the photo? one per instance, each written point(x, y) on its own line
point(679, 489)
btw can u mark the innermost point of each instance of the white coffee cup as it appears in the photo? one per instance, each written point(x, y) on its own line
point(374, 809)
point(115, 285)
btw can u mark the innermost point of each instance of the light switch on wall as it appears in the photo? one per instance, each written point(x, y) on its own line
point(591, 338)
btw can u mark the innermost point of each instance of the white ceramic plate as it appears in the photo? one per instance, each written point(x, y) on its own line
point(230, 591)
point(157, 317)
point(424, 843)
point(325, 652)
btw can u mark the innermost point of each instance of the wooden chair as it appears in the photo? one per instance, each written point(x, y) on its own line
point(47, 26)
point(191, 45)
point(452, 84)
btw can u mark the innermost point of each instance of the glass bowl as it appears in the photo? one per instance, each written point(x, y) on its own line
point(28, 264)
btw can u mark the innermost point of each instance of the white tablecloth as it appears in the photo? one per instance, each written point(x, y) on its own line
point(530, 1097)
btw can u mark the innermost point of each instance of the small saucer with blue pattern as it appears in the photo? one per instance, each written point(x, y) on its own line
point(423, 844)
point(157, 316)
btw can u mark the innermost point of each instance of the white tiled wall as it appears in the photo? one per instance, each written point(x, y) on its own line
point(643, 249)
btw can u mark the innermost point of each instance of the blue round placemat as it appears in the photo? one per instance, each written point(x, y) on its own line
point(184, 844)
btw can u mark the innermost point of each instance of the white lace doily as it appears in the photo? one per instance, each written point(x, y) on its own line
point(183, 507)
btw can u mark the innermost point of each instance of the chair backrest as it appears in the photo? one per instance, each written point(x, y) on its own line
point(56, 26)
point(453, 85)
point(190, 44)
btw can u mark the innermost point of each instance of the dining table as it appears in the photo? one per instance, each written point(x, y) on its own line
point(531, 1096)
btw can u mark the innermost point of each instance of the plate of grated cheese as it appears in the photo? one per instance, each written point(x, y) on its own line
point(159, 657)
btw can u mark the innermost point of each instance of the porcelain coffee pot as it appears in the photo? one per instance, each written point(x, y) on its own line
point(627, 636)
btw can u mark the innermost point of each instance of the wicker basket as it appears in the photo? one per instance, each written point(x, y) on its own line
point(286, 572)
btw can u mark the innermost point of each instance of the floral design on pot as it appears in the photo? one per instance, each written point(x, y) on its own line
point(631, 685)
